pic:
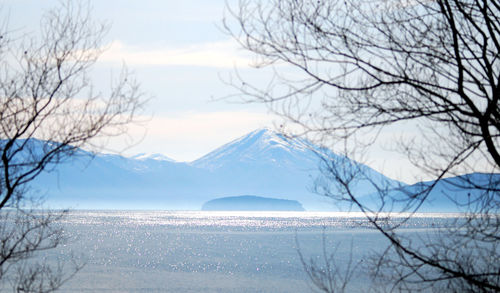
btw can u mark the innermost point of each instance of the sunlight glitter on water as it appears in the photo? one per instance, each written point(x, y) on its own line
point(198, 251)
point(246, 219)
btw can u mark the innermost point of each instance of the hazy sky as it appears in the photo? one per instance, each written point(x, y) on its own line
point(181, 56)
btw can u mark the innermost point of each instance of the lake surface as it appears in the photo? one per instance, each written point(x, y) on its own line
point(173, 251)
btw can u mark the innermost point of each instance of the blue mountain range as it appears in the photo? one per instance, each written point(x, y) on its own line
point(261, 163)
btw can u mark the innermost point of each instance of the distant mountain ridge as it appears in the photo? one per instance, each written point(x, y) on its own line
point(261, 163)
point(454, 194)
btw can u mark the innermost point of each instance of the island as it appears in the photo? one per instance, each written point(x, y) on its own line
point(251, 203)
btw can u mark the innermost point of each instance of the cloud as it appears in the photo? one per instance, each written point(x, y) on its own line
point(214, 54)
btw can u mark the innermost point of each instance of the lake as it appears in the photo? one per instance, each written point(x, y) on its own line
point(194, 251)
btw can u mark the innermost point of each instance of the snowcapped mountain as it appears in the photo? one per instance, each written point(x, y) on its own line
point(261, 146)
point(157, 157)
point(266, 163)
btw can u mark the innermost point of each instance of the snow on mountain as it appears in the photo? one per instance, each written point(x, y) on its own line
point(259, 147)
point(157, 157)
point(264, 153)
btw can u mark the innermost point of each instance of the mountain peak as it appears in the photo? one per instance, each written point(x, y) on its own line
point(260, 133)
point(263, 130)
point(260, 145)
point(156, 157)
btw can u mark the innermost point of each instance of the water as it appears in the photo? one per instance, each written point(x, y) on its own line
point(167, 251)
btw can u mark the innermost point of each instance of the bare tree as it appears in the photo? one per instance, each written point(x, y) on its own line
point(349, 70)
point(48, 110)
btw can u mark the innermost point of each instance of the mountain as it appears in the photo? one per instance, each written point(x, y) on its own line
point(154, 157)
point(251, 203)
point(262, 163)
point(453, 194)
point(260, 147)
point(267, 163)
point(117, 182)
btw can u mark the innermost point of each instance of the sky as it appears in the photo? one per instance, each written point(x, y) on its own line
point(183, 59)
point(181, 56)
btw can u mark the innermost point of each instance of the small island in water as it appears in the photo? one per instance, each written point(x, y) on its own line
point(251, 203)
